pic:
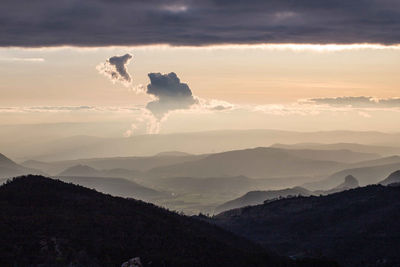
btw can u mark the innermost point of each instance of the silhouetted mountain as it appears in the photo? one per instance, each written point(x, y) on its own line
point(45, 222)
point(393, 178)
point(115, 186)
point(255, 163)
point(258, 197)
point(362, 148)
point(9, 168)
point(357, 227)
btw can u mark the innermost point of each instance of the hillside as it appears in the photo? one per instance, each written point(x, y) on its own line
point(80, 170)
point(349, 182)
point(116, 187)
point(258, 197)
point(47, 222)
point(357, 227)
point(262, 162)
point(9, 168)
point(393, 178)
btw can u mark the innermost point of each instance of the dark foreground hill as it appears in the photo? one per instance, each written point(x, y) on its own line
point(46, 222)
point(358, 227)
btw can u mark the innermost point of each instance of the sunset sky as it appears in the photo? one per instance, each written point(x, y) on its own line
point(340, 70)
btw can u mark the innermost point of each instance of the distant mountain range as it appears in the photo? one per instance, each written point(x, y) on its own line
point(362, 148)
point(45, 222)
point(262, 162)
point(357, 227)
point(138, 164)
point(49, 142)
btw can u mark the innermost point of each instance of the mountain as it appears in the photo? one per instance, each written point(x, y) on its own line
point(258, 197)
point(116, 187)
point(361, 148)
point(80, 170)
point(45, 222)
point(9, 168)
point(261, 162)
point(393, 178)
point(350, 182)
point(357, 227)
point(365, 176)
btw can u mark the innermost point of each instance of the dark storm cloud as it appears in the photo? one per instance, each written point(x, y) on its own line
point(169, 93)
point(189, 22)
point(358, 102)
point(115, 68)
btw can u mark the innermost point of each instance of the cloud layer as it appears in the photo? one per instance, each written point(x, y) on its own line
point(187, 22)
point(358, 102)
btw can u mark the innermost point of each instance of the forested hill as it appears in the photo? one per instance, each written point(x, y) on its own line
point(358, 227)
point(47, 222)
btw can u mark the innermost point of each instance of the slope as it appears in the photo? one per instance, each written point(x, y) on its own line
point(357, 227)
point(47, 222)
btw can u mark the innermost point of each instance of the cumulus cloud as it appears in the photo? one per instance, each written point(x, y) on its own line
point(115, 68)
point(187, 22)
point(357, 102)
point(169, 94)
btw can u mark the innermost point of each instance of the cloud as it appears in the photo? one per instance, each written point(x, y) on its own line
point(67, 109)
point(23, 59)
point(115, 68)
point(187, 22)
point(357, 102)
point(169, 94)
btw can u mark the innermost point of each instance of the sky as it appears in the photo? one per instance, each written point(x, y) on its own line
point(171, 66)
